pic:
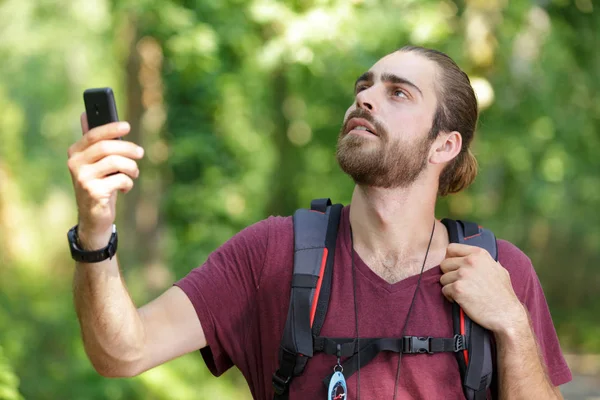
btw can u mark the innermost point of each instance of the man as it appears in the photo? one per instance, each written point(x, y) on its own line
point(405, 141)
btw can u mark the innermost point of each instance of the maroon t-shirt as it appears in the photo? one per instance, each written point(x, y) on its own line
point(241, 295)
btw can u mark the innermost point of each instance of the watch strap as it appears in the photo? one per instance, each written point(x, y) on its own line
point(94, 256)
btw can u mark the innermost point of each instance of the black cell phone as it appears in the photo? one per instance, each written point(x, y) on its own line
point(100, 106)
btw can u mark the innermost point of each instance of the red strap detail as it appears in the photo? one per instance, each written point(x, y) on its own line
point(318, 288)
point(463, 332)
point(472, 236)
point(475, 235)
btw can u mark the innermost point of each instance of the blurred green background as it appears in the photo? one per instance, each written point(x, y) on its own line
point(238, 104)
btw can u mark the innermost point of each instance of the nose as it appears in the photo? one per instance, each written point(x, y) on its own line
point(365, 99)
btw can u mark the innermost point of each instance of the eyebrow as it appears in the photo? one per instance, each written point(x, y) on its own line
point(388, 78)
point(366, 77)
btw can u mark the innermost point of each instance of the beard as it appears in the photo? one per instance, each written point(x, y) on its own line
point(382, 162)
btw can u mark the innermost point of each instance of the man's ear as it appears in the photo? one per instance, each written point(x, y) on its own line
point(445, 147)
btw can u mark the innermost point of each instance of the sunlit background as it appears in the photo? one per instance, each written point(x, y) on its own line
point(238, 104)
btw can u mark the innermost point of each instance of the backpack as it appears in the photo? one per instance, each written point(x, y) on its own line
point(315, 235)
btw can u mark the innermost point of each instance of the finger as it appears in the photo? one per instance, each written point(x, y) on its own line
point(105, 148)
point(451, 264)
point(449, 277)
point(84, 123)
point(447, 291)
point(460, 250)
point(117, 182)
point(112, 164)
point(114, 130)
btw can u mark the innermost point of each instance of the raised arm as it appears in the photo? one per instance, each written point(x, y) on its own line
point(119, 339)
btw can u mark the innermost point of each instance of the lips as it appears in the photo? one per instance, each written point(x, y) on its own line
point(360, 124)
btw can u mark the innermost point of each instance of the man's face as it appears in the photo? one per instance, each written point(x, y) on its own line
point(384, 140)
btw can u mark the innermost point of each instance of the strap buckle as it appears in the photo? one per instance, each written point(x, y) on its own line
point(280, 383)
point(459, 343)
point(417, 345)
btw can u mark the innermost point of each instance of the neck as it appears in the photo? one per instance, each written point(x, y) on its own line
point(395, 223)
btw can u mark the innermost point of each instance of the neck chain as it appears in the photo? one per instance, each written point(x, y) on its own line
point(407, 315)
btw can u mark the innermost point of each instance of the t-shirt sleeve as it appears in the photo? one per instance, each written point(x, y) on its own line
point(529, 290)
point(223, 292)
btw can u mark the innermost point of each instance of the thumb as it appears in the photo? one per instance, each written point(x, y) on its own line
point(84, 123)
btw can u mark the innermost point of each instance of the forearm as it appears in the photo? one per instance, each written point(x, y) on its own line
point(521, 369)
point(111, 328)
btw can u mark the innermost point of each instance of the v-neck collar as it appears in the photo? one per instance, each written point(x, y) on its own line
point(366, 271)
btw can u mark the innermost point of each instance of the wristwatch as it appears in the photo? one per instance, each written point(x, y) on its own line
point(94, 256)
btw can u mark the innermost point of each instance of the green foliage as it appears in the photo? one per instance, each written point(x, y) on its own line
point(253, 94)
point(9, 383)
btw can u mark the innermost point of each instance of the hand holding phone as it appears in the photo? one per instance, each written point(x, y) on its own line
point(101, 166)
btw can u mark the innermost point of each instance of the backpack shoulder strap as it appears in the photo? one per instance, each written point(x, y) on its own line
point(320, 301)
point(470, 233)
point(476, 361)
point(315, 235)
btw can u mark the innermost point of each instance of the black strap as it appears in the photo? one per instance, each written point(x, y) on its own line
point(470, 229)
point(476, 373)
point(406, 345)
point(330, 242)
point(304, 281)
point(370, 347)
point(314, 233)
point(480, 394)
point(472, 234)
point(320, 204)
point(479, 372)
point(494, 385)
point(476, 354)
point(282, 377)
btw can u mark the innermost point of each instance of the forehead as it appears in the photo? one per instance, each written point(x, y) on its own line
point(411, 66)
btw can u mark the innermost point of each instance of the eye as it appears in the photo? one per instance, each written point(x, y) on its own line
point(400, 93)
point(360, 88)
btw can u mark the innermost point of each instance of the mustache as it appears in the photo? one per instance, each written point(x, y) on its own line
point(361, 113)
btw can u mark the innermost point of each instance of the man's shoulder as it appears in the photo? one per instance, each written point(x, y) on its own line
point(275, 232)
point(273, 225)
point(280, 222)
point(518, 265)
point(511, 256)
point(280, 225)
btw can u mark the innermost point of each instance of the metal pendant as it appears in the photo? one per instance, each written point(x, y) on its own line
point(337, 387)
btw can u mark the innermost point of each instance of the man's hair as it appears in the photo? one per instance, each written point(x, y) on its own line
point(456, 111)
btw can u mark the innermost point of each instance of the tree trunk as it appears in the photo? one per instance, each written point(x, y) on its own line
point(143, 225)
